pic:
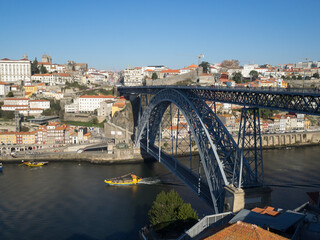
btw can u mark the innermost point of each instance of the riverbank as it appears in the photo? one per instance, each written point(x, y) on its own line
point(91, 157)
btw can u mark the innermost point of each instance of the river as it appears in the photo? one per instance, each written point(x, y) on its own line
point(70, 200)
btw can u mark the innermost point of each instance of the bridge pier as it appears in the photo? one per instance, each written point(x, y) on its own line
point(238, 198)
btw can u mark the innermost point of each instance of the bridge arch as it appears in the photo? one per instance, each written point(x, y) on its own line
point(217, 149)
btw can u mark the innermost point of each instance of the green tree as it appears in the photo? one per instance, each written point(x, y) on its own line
point(299, 77)
point(169, 212)
point(7, 114)
point(237, 77)
point(315, 75)
point(43, 69)
point(24, 129)
point(254, 74)
point(10, 94)
point(205, 66)
point(154, 76)
point(293, 77)
point(34, 67)
point(94, 120)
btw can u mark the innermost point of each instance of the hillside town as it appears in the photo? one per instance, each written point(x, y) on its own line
point(83, 101)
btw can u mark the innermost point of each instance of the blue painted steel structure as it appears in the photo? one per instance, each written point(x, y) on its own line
point(222, 159)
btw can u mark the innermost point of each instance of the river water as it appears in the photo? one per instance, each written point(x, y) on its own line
point(70, 200)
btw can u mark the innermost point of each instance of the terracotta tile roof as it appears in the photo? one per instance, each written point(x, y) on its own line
point(39, 101)
point(193, 66)
point(44, 63)
point(119, 104)
point(3, 83)
point(45, 74)
point(14, 106)
point(267, 211)
point(62, 74)
point(16, 99)
point(244, 231)
point(97, 96)
point(170, 71)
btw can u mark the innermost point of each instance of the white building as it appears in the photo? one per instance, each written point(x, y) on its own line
point(52, 79)
point(133, 76)
point(96, 78)
point(4, 88)
point(16, 101)
point(24, 104)
point(248, 68)
point(89, 103)
point(105, 108)
point(42, 104)
point(15, 70)
point(73, 107)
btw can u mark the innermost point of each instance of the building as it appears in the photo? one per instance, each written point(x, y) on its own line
point(42, 104)
point(25, 106)
point(105, 108)
point(118, 106)
point(15, 70)
point(133, 76)
point(52, 79)
point(4, 89)
point(46, 58)
point(89, 103)
point(8, 138)
point(53, 133)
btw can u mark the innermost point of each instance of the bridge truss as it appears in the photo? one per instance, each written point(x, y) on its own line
point(222, 161)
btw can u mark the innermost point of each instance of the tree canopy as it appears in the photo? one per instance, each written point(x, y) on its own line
point(10, 94)
point(154, 76)
point(43, 69)
point(169, 212)
point(254, 74)
point(237, 77)
point(205, 66)
point(230, 64)
point(34, 67)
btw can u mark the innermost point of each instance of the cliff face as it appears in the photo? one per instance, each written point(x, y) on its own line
point(124, 118)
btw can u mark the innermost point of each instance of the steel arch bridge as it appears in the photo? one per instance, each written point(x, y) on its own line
point(221, 158)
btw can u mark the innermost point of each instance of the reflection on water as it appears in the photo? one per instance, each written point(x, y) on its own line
point(71, 201)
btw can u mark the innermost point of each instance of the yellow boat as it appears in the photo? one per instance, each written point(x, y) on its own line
point(34, 164)
point(128, 179)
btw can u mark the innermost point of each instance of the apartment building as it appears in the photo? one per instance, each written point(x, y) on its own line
point(15, 70)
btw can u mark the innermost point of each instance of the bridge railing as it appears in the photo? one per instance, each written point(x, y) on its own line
point(212, 221)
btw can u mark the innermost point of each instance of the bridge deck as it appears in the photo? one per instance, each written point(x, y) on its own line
point(297, 100)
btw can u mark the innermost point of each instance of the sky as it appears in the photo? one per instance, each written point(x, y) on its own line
point(112, 35)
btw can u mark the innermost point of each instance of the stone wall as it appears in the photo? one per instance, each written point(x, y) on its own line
point(173, 80)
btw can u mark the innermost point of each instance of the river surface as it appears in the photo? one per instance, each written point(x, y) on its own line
point(70, 201)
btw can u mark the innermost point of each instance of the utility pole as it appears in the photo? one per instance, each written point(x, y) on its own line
point(304, 74)
point(199, 58)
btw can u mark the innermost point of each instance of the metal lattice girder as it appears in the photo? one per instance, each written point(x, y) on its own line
point(292, 100)
point(217, 148)
point(249, 140)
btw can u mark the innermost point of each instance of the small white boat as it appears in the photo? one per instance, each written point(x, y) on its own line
point(1, 166)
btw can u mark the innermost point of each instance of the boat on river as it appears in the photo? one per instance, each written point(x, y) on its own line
point(1, 166)
point(34, 164)
point(128, 179)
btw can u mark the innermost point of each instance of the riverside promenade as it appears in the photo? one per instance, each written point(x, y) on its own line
point(92, 157)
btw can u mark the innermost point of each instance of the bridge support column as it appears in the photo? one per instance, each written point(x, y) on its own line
point(249, 140)
point(234, 199)
point(238, 198)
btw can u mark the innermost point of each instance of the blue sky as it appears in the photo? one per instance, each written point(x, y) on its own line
point(115, 34)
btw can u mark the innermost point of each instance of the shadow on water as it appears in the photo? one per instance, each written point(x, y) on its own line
point(78, 236)
point(140, 213)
